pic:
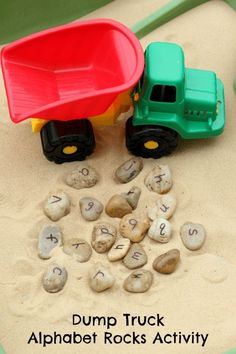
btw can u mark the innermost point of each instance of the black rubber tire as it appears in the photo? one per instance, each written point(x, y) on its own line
point(56, 135)
point(136, 136)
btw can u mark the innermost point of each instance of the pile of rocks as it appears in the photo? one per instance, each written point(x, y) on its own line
point(122, 243)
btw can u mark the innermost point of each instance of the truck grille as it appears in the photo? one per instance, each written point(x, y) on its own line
point(197, 115)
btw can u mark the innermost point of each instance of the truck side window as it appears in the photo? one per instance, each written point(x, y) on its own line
point(163, 93)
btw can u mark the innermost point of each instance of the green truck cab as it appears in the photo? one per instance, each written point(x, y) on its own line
point(171, 101)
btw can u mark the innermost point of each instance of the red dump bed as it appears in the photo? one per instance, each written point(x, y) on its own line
point(70, 72)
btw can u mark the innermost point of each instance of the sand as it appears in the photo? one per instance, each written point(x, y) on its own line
point(201, 295)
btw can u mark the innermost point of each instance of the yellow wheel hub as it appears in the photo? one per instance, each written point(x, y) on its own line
point(69, 150)
point(151, 144)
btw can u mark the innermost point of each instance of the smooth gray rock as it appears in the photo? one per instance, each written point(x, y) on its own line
point(78, 248)
point(83, 176)
point(90, 208)
point(50, 237)
point(136, 257)
point(54, 278)
point(129, 170)
point(56, 205)
point(132, 196)
point(193, 235)
point(138, 281)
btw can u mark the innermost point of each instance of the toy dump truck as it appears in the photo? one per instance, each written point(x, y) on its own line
point(73, 77)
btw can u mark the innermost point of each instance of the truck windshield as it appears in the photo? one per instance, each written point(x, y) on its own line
point(163, 93)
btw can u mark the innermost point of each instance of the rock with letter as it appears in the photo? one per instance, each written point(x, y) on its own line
point(103, 237)
point(133, 227)
point(90, 208)
point(132, 196)
point(54, 278)
point(160, 230)
point(100, 278)
point(136, 257)
point(159, 179)
point(193, 235)
point(163, 208)
point(50, 237)
point(83, 176)
point(129, 170)
point(57, 205)
point(119, 249)
point(138, 281)
point(78, 248)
